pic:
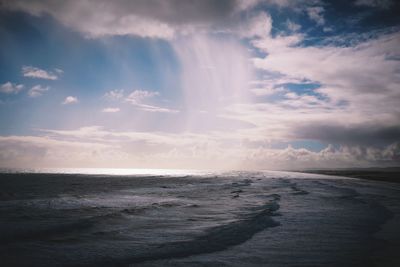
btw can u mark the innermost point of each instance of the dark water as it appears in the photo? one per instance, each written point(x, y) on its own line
point(197, 219)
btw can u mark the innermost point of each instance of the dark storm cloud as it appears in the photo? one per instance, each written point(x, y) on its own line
point(144, 18)
point(363, 135)
point(170, 11)
point(178, 11)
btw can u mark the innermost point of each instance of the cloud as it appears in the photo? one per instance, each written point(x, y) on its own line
point(114, 94)
point(10, 88)
point(70, 100)
point(168, 19)
point(259, 25)
point(110, 110)
point(41, 151)
point(383, 4)
point(263, 91)
point(138, 96)
point(148, 18)
point(95, 146)
point(144, 18)
point(294, 27)
point(59, 71)
point(372, 134)
point(37, 90)
point(151, 108)
point(329, 157)
point(139, 99)
point(346, 74)
point(296, 5)
point(33, 72)
point(316, 14)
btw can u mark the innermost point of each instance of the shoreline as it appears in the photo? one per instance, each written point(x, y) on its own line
point(386, 255)
point(391, 175)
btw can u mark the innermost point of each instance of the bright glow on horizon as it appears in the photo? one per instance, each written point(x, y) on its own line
point(112, 171)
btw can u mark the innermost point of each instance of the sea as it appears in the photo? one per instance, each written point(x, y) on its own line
point(115, 217)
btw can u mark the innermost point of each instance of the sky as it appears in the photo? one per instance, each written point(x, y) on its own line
point(199, 84)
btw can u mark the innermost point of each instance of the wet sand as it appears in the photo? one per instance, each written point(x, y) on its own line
point(377, 174)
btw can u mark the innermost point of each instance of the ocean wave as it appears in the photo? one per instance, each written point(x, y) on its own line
point(217, 238)
point(42, 232)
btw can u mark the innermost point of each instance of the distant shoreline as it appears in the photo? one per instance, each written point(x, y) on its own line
point(376, 174)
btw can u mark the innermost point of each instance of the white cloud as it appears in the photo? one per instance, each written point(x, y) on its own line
point(316, 14)
point(37, 90)
point(151, 108)
point(111, 110)
point(294, 27)
point(127, 25)
point(114, 94)
point(70, 100)
point(137, 96)
point(41, 151)
point(345, 73)
point(10, 88)
point(33, 72)
point(139, 99)
point(59, 71)
point(262, 91)
point(257, 26)
point(96, 147)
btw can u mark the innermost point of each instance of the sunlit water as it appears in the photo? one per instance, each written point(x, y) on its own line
point(116, 217)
